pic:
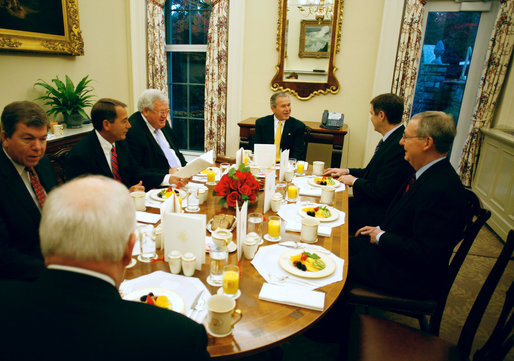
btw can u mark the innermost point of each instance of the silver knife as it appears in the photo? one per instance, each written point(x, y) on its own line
point(195, 302)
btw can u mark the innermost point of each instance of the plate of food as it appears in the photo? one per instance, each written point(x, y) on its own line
point(203, 173)
point(321, 212)
point(307, 264)
point(159, 297)
point(162, 194)
point(323, 182)
point(225, 221)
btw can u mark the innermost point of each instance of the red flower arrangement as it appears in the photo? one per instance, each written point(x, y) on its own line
point(237, 186)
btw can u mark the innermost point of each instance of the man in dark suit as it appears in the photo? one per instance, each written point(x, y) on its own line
point(151, 139)
point(74, 310)
point(281, 129)
point(408, 253)
point(375, 186)
point(26, 175)
point(105, 152)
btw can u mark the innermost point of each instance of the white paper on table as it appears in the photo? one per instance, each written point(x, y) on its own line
point(284, 163)
point(196, 165)
point(293, 296)
point(265, 155)
point(241, 228)
point(185, 233)
point(269, 189)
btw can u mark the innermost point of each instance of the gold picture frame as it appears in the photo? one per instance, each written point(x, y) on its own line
point(322, 30)
point(48, 26)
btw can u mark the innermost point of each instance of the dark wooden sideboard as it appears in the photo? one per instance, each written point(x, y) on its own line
point(317, 135)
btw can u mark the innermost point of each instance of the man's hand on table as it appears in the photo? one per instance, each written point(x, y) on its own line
point(137, 187)
point(335, 172)
point(370, 231)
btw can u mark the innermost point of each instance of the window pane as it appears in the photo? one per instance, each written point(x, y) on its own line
point(196, 100)
point(197, 68)
point(196, 134)
point(447, 50)
point(179, 68)
point(199, 27)
point(180, 129)
point(179, 101)
point(179, 30)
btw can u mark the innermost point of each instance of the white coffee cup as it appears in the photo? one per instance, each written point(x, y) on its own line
point(223, 315)
point(327, 195)
point(202, 194)
point(175, 261)
point(309, 233)
point(139, 200)
point(188, 264)
point(288, 175)
point(250, 245)
point(221, 237)
point(317, 167)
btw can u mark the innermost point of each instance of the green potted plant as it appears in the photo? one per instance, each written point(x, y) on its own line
point(67, 99)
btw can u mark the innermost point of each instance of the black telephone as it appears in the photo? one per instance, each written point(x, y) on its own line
point(331, 120)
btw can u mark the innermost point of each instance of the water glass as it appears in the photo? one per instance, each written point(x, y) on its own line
point(193, 203)
point(219, 260)
point(255, 221)
point(146, 243)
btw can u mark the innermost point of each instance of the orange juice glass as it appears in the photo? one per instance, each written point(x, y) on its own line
point(274, 228)
point(230, 279)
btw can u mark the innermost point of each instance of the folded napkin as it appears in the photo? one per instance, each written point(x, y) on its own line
point(187, 287)
point(171, 205)
point(294, 296)
point(324, 231)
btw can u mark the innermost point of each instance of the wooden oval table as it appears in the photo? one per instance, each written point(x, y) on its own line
point(264, 324)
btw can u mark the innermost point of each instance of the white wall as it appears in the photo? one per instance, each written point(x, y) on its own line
point(104, 29)
point(355, 62)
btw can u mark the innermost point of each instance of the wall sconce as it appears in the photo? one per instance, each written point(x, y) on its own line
point(321, 10)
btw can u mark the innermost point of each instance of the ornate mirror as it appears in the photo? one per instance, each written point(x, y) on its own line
point(308, 36)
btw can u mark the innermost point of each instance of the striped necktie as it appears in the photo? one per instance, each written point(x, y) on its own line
point(36, 186)
point(114, 164)
point(278, 137)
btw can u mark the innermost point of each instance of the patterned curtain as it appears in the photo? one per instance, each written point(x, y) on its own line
point(216, 79)
point(409, 52)
point(155, 50)
point(493, 74)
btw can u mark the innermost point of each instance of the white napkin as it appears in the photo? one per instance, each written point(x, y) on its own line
point(147, 217)
point(187, 287)
point(284, 163)
point(294, 296)
point(266, 262)
point(240, 156)
point(265, 155)
point(171, 205)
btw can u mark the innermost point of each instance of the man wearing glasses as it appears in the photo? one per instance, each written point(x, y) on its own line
point(408, 253)
point(151, 139)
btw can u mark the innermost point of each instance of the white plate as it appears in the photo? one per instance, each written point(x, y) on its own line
point(177, 302)
point(334, 212)
point(200, 174)
point(154, 194)
point(287, 265)
point(210, 223)
point(314, 184)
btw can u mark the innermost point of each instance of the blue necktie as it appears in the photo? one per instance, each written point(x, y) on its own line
point(172, 159)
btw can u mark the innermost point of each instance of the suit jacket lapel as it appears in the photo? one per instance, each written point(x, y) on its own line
point(99, 156)
point(16, 187)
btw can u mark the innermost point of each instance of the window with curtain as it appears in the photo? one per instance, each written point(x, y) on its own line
point(187, 23)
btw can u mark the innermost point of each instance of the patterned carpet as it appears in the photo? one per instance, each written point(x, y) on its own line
point(475, 269)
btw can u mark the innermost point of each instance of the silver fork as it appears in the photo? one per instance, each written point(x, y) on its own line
point(198, 307)
point(285, 278)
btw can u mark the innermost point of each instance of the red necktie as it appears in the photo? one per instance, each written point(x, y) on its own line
point(38, 188)
point(114, 164)
point(412, 179)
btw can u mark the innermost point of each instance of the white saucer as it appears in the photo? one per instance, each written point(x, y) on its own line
point(216, 334)
point(235, 297)
point(292, 200)
point(267, 237)
point(209, 281)
point(142, 260)
point(132, 263)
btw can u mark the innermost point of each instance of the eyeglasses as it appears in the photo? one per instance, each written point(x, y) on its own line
point(414, 136)
point(161, 112)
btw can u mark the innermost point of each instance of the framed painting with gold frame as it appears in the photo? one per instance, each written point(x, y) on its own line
point(315, 39)
point(49, 26)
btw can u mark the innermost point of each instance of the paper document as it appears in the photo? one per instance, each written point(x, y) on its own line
point(196, 165)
